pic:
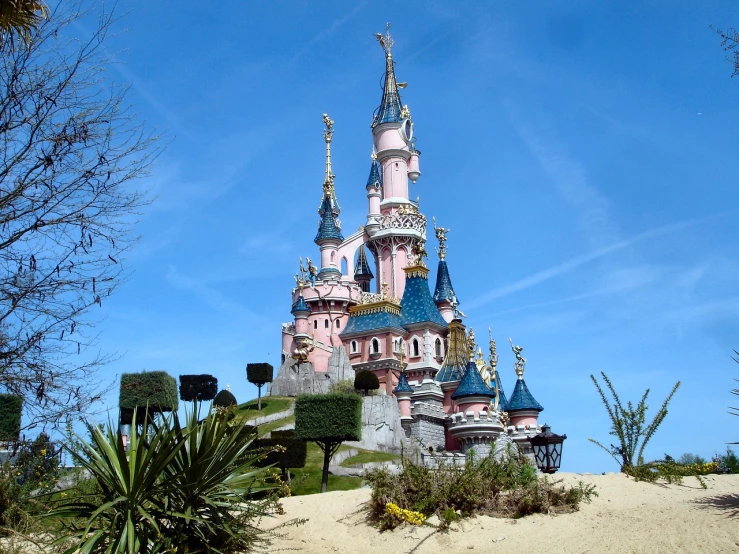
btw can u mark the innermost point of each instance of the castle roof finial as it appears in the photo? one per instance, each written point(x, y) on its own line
point(441, 237)
point(328, 135)
point(390, 108)
point(520, 364)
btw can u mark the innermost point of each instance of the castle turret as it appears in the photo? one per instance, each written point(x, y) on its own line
point(301, 311)
point(362, 273)
point(329, 235)
point(374, 196)
point(403, 392)
point(522, 408)
point(444, 296)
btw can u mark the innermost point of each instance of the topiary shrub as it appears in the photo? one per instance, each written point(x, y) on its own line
point(198, 387)
point(149, 392)
point(11, 408)
point(224, 399)
point(328, 420)
point(344, 386)
point(259, 374)
point(293, 456)
point(366, 381)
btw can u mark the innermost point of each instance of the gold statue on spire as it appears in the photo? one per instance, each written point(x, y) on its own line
point(520, 363)
point(328, 135)
point(441, 237)
point(386, 41)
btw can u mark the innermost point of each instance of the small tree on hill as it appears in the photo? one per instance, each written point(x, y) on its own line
point(11, 407)
point(628, 425)
point(259, 374)
point(328, 420)
point(149, 392)
point(198, 387)
point(224, 399)
point(292, 454)
point(366, 381)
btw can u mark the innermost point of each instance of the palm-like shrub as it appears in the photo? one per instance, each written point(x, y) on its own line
point(188, 489)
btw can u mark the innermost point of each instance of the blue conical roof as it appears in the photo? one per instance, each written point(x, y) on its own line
point(456, 356)
point(472, 384)
point(362, 269)
point(374, 179)
point(502, 400)
point(522, 399)
point(300, 306)
point(417, 306)
point(390, 107)
point(403, 385)
point(443, 291)
point(328, 228)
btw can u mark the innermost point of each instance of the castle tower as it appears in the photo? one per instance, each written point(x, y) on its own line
point(403, 392)
point(362, 273)
point(444, 296)
point(374, 196)
point(522, 408)
point(329, 235)
point(399, 226)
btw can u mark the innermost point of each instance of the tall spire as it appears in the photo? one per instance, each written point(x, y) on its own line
point(457, 354)
point(329, 226)
point(390, 109)
point(444, 292)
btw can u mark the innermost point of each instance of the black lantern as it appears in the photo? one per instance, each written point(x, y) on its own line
point(547, 449)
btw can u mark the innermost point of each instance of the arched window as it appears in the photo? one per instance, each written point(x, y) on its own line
point(315, 324)
point(325, 323)
point(375, 346)
point(415, 348)
point(354, 347)
point(344, 270)
point(437, 344)
point(338, 324)
point(333, 257)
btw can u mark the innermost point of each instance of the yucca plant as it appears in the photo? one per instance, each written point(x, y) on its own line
point(187, 488)
point(628, 424)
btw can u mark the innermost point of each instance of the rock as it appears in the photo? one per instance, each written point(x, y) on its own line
point(434, 520)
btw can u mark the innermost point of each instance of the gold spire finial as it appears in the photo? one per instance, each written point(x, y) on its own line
point(471, 343)
point(386, 41)
point(374, 154)
point(441, 237)
point(419, 253)
point(493, 352)
point(328, 135)
point(520, 363)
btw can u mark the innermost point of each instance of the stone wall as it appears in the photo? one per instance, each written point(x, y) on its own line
point(294, 378)
point(381, 428)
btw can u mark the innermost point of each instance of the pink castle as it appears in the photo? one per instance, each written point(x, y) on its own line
point(449, 397)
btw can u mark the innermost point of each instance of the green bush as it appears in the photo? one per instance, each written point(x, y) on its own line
point(185, 489)
point(366, 381)
point(344, 386)
point(292, 454)
point(37, 463)
point(149, 392)
point(729, 462)
point(198, 387)
point(224, 399)
point(328, 420)
point(500, 488)
point(11, 408)
point(259, 374)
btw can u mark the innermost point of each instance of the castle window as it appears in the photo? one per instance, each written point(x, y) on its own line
point(354, 347)
point(375, 346)
point(437, 344)
point(344, 270)
point(415, 348)
point(338, 324)
point(315, 324)
point(325, 323)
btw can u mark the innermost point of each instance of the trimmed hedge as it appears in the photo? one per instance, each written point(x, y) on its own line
point(198, 387)
point(328, 417)
point(294, 455)
point(152, 391)
point(11, 408)
point(224, 399)
point(366, 381)
point(259, 374)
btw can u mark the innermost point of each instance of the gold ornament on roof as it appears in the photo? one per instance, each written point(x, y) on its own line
point(441, 237)
point(405, 112)
point(520, 363)
point(471, 345)
point(386, 41)
point(328, 135)
point(419, 253)
point(493, 359)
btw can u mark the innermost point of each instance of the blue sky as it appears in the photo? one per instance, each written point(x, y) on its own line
point(582, 153)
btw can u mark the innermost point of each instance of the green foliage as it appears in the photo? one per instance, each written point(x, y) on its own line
point(729, 462)
point(690, 459)
point(149, 392)
point(366, 381)
point(328, 417)
point(344, 386)
point(671, 471)
point(11, 407)
point(628, 424)
point(283, 450)
point(224, 399)
point(185, 489)
point(259, 374)
point(37, 463)
point(198, 387)
point(328, 420)
point(501, 488)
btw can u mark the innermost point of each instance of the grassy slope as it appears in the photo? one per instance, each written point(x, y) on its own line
point(270, 405)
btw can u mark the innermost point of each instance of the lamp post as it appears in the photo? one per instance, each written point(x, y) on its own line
point(547, 449)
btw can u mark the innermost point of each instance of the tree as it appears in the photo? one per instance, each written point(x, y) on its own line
point(628, 424)
point(198, 387)
point(224, 399)
point(283, 451)
point(19, 17)
point(730, 44)
point(259, 374)
point(70, 151)
point(328, 420)
point(146, 394)
point(366, 381)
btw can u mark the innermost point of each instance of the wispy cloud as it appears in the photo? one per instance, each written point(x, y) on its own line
point(328, 31)
point(211, 297)
point(574, 263)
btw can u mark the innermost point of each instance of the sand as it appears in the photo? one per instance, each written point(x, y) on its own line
point(625, 517)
